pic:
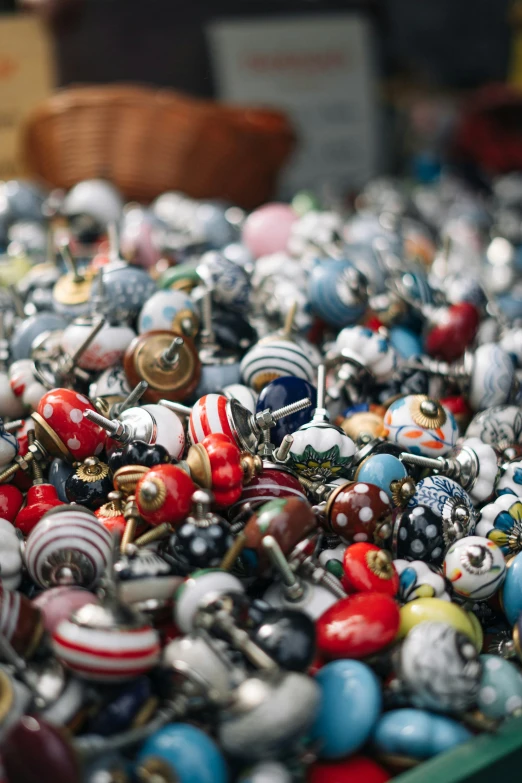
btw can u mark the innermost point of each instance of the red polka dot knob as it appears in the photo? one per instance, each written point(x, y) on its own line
point(357, 511)
point(368, 568)
point(63, 410)
point(357, 626)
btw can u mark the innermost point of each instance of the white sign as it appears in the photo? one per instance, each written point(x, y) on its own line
point(319, 70)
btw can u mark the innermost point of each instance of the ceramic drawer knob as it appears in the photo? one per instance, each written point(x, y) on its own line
point(501, 522)
point(421, 425)
point(68, 546)
point(475, 567)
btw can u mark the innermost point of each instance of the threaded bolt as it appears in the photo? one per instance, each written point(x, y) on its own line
point(37, 468)
point(8, 472)
point(284, 449)
point(293, 587)
point(424, 462)
point(131, 399)
point(176, 407)
point(153, 535)
point(294, 407)
point(114, 428)
point(170, 355)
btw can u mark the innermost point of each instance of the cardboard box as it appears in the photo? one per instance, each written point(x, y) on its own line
point(320, 70)
point(26, 78)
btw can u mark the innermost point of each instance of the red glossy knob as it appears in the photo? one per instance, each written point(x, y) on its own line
point(63, 409)
point(357, 769)
point(369, 568)
point(114, 524)
point(359, 511)
point(40, 498)
point(460, 409)
point(34, 751)
point(454, 332)
point(11, 500)
point(164, 494)
point(357, 626)
point(225, 468)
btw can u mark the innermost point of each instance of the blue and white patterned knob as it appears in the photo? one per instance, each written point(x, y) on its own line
point(126, 289)
point(448, 501)
point(228, 281)
point(421, 425)
point(417, 580)
point(8, 446)
point(492, 377)
point(337, 292)
point(510, 482)
point(367, 348)
point(169, 309)
point(497, 425)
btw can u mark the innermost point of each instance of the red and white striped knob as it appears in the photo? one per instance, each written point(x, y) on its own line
point(69, 545)
point(209, 416)
point(95, 646)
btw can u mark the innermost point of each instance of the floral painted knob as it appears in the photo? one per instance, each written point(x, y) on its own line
point(421, 425)
point(510, 480)
point(69, 546)
point(475, 567)
point(365, 348)
point(64, 411)
point(497, 425)
point(418, 580)
point(501, 522)
point(105, 350)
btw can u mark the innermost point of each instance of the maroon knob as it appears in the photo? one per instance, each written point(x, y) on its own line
point(454, 332)
point(34, 751)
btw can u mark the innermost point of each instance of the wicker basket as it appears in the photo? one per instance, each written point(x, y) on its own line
point(148, 141)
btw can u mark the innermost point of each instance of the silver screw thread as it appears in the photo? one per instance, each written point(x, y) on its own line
point(282, 566)
point(13, 425)
point(294, 407)
point(424, 462)
point(434, 367)
point(73, 360)
point(321, 386)
point(114, 428)
point(207, 334)
point(135, 396)
point(177, 407)
point(17, 301)
point(170, 355)
point(37, 468)
point(284, 449)
point(333, 584)
point(114, 241)
point(70, 262)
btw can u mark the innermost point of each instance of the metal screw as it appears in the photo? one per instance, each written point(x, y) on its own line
point(170, 355)
point(177, 407)
point(293, 587)
point(116, 429)
point(71, 361)
point(284, 449)
point(70, 262)
point(425, 462)
point(132, 398)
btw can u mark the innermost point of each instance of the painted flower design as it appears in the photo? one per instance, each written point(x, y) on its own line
point(321, 453)
point(501, 522)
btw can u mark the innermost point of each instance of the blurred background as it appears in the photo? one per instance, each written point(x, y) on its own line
point(368, 87)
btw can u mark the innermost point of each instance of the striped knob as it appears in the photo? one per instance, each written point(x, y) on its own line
point(96, 645)
point(209, 416)
point(275, 359)
point(20, 622)
point(68, 546)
